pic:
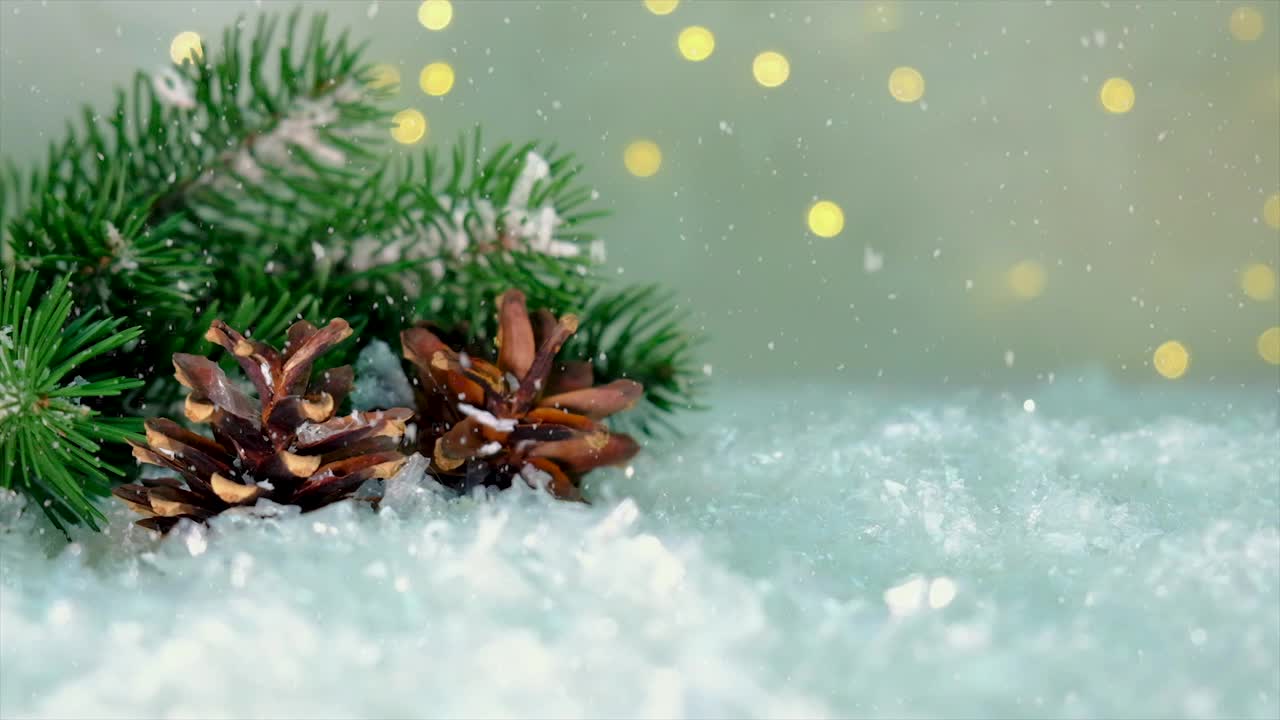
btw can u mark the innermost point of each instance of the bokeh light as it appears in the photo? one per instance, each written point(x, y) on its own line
point(436, 78)
point(882, 16)
point(771, 68)
point(661, 7)
point(906, 84)
point(1116, 95)
point(1171, 359)
point(435, 14)
point(642, 158)
point(384, 77)
point(696, 43)
point(410, 126)
point(826, 219)
point(1269, 345)
point(1246, 23)
point(186, 46)
point(1271, 211)
point(1027, 280)
point(1258, 281)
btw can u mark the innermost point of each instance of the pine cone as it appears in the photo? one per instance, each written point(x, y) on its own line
point(484, 424)
point(285, 445)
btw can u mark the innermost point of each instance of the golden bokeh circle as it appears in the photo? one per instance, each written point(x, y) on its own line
point(826, 219)
point(906, 84)
point(771, 68)
point(435, 14)
point(1246, 23)
point(661, 7)
point(410, 126)
point(642, 158)
point(1258, 281)
point(1027, 280)
point(1116, 95)
point(696, 43)
point(436, 78)
point(1171, 359)
point(1269, 345)
point(186, 46)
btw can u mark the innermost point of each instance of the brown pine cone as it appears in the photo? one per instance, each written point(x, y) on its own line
point(285, 445)
point(482, 423)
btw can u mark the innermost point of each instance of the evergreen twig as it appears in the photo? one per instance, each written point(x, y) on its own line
point(49, 436)
point(247, 185)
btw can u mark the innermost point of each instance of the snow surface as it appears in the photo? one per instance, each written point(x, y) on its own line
point(820, 552)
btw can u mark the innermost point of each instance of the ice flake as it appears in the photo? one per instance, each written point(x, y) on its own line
point(474, 227)
point(616, 523)
point(195, 540)
point(941, 592)
point(241, 564)
point(872, 261)
point(536, 477)
point(535, 169)
point(173, 89)
point(486, 418)
point(907, 598)
point(60, 613)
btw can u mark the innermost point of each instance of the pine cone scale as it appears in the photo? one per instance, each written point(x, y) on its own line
point(341, 478)
point(587, 452)
point(232, 492)
point(597, 402)
point(285, 445)
point(485, 424)
point(173, 502)
point(299, 358)
point(295, 410)
point(209, 384)
point(516, 345)
point(255, 359)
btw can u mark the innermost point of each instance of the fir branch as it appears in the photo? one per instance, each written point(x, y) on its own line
point(49, 439)
point(249, 182)
point(202, 167)
point(210, 158)
point(120, 262)
point(456, 228)
point(639, 333)
point(482, 222)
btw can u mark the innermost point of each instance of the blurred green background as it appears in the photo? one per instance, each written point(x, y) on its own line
point(1002, 227)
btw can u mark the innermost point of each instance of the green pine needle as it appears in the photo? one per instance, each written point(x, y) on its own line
point(49, 439)
point(637, 333)
point(239, 187)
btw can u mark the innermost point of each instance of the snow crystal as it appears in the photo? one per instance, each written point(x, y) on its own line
point(941, 592)
point(472, 227)
point(906, 598)
point(300, 129)
point(1119, 557)
point(486, 418)
point(173, 89)
point(124, 257)
point(872, 261)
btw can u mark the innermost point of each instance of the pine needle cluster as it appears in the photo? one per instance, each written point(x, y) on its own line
point(250, 184)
